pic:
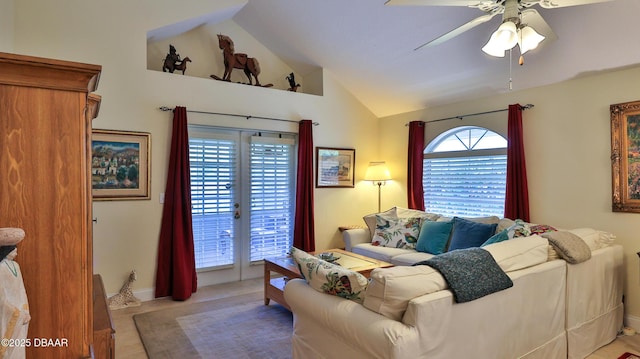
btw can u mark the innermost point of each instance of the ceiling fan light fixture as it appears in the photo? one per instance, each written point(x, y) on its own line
point(493, 47)
point(507, 34)
point(503, 39)
point(528, 39)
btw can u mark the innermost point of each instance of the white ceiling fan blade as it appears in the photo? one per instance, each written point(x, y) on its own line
point(435, 2)
point(533, 18)
point(550, 4)
point(459, 30)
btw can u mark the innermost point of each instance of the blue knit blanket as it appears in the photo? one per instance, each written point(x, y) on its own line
point(471, 273)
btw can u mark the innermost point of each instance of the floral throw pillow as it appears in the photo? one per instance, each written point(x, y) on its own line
point(396, 233)
point(523, 229)
point(330, 278)
point(541, 229)
point(519, 229)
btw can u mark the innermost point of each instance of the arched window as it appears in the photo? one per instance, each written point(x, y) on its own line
point(465, 172)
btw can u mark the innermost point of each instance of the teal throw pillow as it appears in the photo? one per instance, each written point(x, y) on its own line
point(434, 237)
point(498, 237)
point(468, 234)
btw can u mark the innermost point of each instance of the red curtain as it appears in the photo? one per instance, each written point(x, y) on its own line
point(303, 232)
point(176, 272)
point(517, 193)
point(415, 192)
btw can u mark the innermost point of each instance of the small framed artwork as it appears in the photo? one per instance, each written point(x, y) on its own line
point(120, 165)
point(625, 156)
point(335, 167)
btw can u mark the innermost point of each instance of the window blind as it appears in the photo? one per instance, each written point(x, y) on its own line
point(465, 186)
point(272, 193)
point(213, 167)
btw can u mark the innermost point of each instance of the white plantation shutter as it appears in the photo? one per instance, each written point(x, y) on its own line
point(213, 175)
point(465, 186)
point(464, 173)
point(272, 194)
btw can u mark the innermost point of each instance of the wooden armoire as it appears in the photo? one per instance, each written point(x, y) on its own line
point(46, 109)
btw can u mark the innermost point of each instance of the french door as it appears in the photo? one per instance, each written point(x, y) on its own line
point(242, 194)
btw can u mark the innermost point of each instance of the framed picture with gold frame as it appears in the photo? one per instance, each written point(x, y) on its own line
point(335, 167)
point(120, 165)
point(625, 156)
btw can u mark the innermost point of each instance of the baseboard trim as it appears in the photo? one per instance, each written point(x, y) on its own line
point(632, 321)
point(144, 295)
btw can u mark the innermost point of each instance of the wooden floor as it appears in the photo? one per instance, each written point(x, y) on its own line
point(129, 346)
point(622, 344)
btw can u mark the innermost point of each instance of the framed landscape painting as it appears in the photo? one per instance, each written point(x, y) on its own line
point(120, 165)
point(625, 156)
point(335, 167)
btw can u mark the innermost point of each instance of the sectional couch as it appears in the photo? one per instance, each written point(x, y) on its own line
point(554, 309)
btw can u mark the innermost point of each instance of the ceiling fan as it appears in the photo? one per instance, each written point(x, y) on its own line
point(520, 23)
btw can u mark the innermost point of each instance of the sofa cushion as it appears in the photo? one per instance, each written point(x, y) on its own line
point(391, 289)
point(496, 238)
point(395, 213)
point(504, 223)
point(329, 278)
point(434, 237)
point(519, 253)
point(370, 219)
point(467, 234)
point(569, 246)
point(409, 258)
point(485, 220)
point(396, 233)
point(381, 253)
point(594, 238)
point(414, 213)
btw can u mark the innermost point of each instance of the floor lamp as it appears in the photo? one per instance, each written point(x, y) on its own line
point(378, 174)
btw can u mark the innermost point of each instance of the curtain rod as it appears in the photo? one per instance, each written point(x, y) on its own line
point(525, 107)
point(248, 117)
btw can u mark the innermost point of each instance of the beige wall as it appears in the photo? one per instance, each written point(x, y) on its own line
point(126, 234)
point(567, 144)
point(6, 25)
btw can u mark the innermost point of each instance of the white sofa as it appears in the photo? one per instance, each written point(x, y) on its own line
point(554, 310)
point(358, 240)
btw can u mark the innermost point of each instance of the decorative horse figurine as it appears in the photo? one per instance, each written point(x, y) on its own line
point(232, 60)
point(170, 61)
point(182, 66)
point(293, 86)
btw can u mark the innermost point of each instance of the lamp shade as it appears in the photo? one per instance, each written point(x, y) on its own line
point(492, 47)
point(504, 38)
point(377, 171)
point(528, 39)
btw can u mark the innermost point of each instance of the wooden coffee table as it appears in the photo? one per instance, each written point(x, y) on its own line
point(288, 269)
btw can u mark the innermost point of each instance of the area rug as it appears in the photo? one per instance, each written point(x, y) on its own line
point(628, 355)
point(239, 327)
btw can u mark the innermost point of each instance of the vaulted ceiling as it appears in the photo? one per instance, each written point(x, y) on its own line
point(369, 48)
